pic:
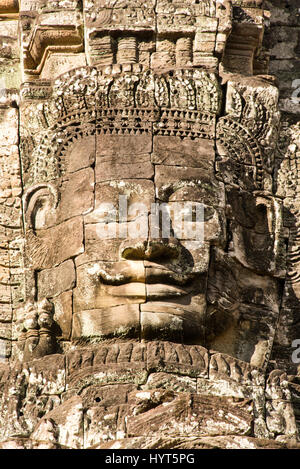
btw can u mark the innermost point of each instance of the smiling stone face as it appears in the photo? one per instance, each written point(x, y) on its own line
point(104, 260)
point(149, 220)
point(134, 226)
point(139, 259)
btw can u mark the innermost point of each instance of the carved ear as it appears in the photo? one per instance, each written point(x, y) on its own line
point(271, 214)
point(257, 232)
point(274, 223)
point(39, 204)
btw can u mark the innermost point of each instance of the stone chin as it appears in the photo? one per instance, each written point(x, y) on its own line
point(150, 320)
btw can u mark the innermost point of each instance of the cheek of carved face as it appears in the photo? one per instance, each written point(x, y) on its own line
point(244, 281)
point(242, 309)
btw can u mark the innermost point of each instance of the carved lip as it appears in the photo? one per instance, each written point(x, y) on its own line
point(137, 290)
point(160, 274)
point(158, 291)
point(148, 292)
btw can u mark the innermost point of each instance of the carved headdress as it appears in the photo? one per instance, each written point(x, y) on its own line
point(131, 100)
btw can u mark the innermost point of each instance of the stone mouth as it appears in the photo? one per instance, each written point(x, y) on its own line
point(152, 274)
point(148, 291)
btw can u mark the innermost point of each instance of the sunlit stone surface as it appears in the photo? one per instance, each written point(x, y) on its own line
point(149, 242)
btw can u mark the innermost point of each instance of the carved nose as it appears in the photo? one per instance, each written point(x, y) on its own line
point(151, 249)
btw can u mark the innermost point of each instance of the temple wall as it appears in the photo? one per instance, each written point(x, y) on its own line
point(101, 386)
point(282, 40)
point(10, 177)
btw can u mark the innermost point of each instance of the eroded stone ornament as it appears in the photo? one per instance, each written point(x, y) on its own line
point(35, 327)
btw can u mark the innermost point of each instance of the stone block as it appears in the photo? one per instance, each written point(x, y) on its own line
point(76, 195)
point(170, 381)
point(69, 429)
point(173, 151)
point(63, 311)
point(196, 415)
point(52, 282)
point(112, 168)
point(82, 154)
point(177, 358)
point(189, 184)
point(56, 244)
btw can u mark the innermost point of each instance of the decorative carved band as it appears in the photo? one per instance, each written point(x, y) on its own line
point(233, 135)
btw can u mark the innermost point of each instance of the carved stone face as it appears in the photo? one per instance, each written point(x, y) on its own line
point(90, 241)
point(126, 278)
point(109, 278)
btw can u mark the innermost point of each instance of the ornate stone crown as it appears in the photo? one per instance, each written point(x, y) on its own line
point(188, 102)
